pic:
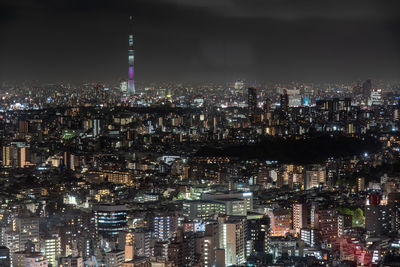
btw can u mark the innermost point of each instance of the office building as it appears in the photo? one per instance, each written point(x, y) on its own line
point(232, 240)
point(220, 196)
point(110, 220)
point(203, 209)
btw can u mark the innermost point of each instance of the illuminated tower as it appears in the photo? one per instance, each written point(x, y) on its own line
point(131, 59)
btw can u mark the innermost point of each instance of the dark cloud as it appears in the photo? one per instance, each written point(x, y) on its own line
point(295, 9)
point(200, 39)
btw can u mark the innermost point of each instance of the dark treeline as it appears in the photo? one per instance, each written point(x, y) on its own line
point(302, 151)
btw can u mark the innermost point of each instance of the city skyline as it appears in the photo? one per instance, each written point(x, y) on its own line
point(199, 133)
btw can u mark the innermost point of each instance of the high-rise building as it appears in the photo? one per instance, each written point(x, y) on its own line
point(284, 102)
point(23, 127)
point(131, 60)
point(309, 236)
point(258, 234)
point(123, 86)
point(328, 224)
point(77, 234)
point(137, 243)
point(27, 229)
point(299, 211)
point(232, 240)
point(378, 219)
point(239, 85)
point(16, 155)
point(344, 223)
point(375, 97)
point(366, 89)
point(96, 127)
point(6, 157)
point(295, 100)
point(252, 104)
point(164, 226)
point(160, 249)
point(267, 109)
point(360, 184)
point(182, 250)
point(110, 220)
point(207, 245)
point(51, 248)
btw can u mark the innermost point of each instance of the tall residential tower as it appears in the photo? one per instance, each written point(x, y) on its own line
point(131, 59)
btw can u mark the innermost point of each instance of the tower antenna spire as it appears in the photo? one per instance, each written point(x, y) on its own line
point(131, 59)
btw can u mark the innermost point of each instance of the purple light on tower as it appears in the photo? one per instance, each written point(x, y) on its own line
point(131, 59)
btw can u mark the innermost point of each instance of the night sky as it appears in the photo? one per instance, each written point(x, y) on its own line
point(200, 40)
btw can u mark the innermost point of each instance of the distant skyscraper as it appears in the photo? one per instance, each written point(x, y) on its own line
point(131, 59)
point(252, 103)
point(376, 97)
point(366, 88)
point(267, 110)
point(239, 85)
point(124, 86)
point(267, 106)
point(284, 102)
